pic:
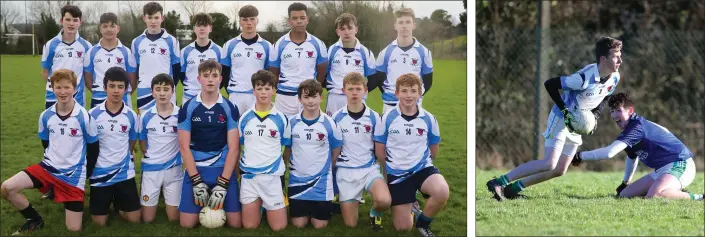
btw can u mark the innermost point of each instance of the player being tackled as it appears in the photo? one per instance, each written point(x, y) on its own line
point(587, 89)
point(655, 146)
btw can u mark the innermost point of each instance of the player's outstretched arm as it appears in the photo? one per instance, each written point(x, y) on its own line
point(597, 111)
point(600, 153)
point(629, 169)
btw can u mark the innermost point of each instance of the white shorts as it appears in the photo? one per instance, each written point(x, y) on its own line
point(153, 181)
point(289, 105)
point(243, 101)
point(334, 102)
point(266, 187)
point(683, 170)
point(557, 135)
point(386, 108)
point(351, 182)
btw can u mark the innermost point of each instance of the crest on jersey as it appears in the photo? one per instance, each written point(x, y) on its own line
point(74, 131)
point(124, 128)
point(79, 53)
point(357, 62)
point(414, 61)
point(259, 55)
point(174, 127)
point(609, 88)
point(119, 60)
point(221, 118)
point(163, 50)
point(321, 136)
point(272, 133)
point(310, 54)
point(368, 128)
point(420, 131)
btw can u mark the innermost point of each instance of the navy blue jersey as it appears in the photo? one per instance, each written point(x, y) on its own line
point(653, 144)
point(209, 128)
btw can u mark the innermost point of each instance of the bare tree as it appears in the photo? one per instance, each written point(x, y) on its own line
point(93, 12)
point(233, 10)
point(8, 13)
point(194, 7)
point(49, 8)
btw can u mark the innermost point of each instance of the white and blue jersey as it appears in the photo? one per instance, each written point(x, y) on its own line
point(191, 57)
point(209, 129)
point(395, 62)
point(58, 54)
point(65, 158)
point(340, 63)
point(312, 145)
point(358, 146)
point(262, 139)
point(297, 63)
point(161, 134)
point(653, 144)
point(407, 142)
point(244, 60)
point(583, 90)
point(99, 60)
point(115, 131)
point(152, 58)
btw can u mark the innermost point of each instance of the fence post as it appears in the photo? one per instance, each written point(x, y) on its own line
point(542, 43)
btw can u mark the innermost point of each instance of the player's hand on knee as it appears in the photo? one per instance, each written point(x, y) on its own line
point(218, 193)
point(568, 119)
point(200, 190)
point(576, 159)
point(622, 187)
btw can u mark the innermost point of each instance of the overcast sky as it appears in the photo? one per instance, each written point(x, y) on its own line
point(270, 10)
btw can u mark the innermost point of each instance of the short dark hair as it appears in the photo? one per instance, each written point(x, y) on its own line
point(162, 78)
point(263, 78)
point(152, 8)
point(604, 45)
point(71, 9)
point(115, 74)
point(202, 19)
point(620, 99)
point(209, 65)
point(310, 87)
point(297, 6)
point(108, 17)
point(345, 19)
point(248, 11)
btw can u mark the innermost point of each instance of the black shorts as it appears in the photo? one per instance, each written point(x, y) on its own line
point(319, 210)
point(405, 191)
point(123, 194)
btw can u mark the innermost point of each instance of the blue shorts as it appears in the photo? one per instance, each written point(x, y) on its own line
point(405, 191)
point(210, 176)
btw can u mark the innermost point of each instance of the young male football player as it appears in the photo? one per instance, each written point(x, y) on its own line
point(315, 143)
point(356, 166)
point(197, 52)
point(113, 180)
point(404, 55)
point(298, 56)
point(408, 138)
point(161, 165)
point(65, 51)
point(654, 146)
point(345, 56)
point(589, 88)
point(243, 56)
point(73, 138)
point(103, 56)
point(209, 146)
point(156, 51)
point(261, 163)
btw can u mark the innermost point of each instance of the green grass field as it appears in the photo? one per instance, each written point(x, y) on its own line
point(583, 203)
point(22, 100)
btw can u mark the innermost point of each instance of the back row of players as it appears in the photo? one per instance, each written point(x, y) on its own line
point(204, 133)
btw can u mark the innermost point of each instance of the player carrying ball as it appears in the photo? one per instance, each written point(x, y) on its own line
point(655, 146)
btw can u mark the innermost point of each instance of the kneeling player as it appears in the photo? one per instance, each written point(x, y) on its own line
point(161, 165)
point(114, 176)
point(261, 163)
point(315, 142)
point(655, 146)
point(209, 146)
point(408, 137)
point(72, 133)
point(356, 166)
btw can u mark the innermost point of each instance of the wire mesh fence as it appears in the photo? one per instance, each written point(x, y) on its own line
point(662, 70)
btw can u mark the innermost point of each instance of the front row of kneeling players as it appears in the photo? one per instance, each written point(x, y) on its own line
point(206, 134)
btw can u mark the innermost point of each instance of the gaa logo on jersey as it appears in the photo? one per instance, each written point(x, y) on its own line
point(287, 55)
point(237, 55)
point(97, 60)
point(394, 131)
point(143, 51)
point(310, 54)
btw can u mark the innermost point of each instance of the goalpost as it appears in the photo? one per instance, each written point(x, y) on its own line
point(16, 36)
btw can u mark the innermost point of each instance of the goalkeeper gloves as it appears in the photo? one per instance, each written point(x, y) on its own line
point(576, 159)
point(200, 190)
point(218, 194)
point(622, 187)
point(568, 119)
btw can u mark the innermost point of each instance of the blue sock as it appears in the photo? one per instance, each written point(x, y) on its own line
point(374, 213)
point(503, 180)
point(423, 221)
